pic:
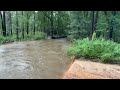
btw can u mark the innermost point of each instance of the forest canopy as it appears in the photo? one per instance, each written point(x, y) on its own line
point(22, 25)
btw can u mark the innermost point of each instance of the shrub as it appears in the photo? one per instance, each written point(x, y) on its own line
point(70, 37)
point(5, 39)
point(37, 36)
point(105, 50)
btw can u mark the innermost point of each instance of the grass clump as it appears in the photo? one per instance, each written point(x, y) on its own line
point(104, 50)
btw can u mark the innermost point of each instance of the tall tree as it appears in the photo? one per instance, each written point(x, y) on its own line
point(51, 18)
point(92, 23)
point(3, 19)
point(17, 30)
point(45, 21)
point(112, 25)
point(52, 27)
point(96, 20)
point(9, 22)
point(34, 23)
point(23, 24)
point(27, 16)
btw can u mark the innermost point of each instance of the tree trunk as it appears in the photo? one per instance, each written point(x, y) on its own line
point(92, 23)
point(17, 32)
point(58, 21)
point(107, 19)
point(22, 25)
point(9, 23)
point(3, 18)
point(2, 21)
point(27, 24)
point(112, 26)
point(34, 22)
point(52, 24)
point(84, 19)
point(96, 19)
point(45, 23)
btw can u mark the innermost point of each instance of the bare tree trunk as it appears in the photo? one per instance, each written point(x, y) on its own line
point(3, 18)
point(52, 24)
point(17, 32)
point(27, 24)
point(9, 23)
point(2, 21)
point(92, 23)
point(22, 25)
point(34, 22)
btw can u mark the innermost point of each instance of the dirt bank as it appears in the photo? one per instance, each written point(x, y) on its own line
point(82, 69)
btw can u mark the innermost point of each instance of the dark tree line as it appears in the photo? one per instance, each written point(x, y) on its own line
point(79, 24)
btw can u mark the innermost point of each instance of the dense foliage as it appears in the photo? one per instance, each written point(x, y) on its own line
point(74, 24)
point(99, 49)
point(32, 25)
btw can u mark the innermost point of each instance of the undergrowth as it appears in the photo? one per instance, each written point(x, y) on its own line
point(105, 51)
point(37, 36)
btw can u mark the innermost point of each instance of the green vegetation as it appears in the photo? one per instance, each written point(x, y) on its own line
point(37, 36)
point(32, 25)
point(105, 51)
point(103, 31)
point(101, 27)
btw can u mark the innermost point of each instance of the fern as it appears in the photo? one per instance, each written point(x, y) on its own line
point(105, 50)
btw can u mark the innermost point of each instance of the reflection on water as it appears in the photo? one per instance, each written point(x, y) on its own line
point(44, 59)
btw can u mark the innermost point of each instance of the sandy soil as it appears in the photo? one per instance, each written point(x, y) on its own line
point(81, 69)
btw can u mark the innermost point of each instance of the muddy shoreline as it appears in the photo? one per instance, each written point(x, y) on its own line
point(82, 69)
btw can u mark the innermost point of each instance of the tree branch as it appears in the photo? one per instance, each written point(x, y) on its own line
point(46, 15)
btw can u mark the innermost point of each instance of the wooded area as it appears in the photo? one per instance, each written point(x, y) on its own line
point(78, 35)
point(74, 24)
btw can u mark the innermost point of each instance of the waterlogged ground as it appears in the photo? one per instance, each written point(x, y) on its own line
point(44, 59)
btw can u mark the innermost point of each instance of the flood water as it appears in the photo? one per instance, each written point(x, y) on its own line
point(43, 59)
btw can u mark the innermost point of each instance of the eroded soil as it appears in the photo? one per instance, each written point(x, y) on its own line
point(81, 69)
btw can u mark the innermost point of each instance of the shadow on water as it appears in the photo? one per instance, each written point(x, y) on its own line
point(44, 59)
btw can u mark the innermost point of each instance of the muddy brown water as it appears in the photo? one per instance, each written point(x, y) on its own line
point(43, 59)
